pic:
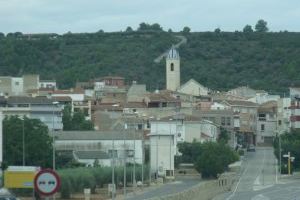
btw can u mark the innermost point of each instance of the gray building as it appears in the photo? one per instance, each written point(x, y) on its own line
point(40, 108)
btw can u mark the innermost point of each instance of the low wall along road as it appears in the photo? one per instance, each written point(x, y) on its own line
point(204, 191)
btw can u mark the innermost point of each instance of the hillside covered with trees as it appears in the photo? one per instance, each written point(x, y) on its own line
point(218, 60)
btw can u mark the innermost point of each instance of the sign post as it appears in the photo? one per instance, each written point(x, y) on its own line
point(47, 182)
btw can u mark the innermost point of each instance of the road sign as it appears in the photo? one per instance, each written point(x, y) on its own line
point(46, 182)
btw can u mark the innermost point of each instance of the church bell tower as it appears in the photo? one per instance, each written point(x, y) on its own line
point(173, 70)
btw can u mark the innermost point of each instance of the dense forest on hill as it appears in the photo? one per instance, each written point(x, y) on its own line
point(218, 60)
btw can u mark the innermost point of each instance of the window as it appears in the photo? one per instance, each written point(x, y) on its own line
point(262, 117)
point(262, 127)
point(228, 121)
point(140, 126)
point(223, 121)
point(279, 122)
point(16, 83)
point(172, 67)
point(148, 124)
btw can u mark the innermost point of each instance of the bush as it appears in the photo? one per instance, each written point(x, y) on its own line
point(76, 179)
point(214, 159)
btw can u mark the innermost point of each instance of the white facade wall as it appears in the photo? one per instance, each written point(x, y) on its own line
point(17, 86)
point(263, 98)
point(283, 115)
point(74, 97)
point(162, 152)
point(104, 145)
point(218, 106)
point(99, 85)
point(186, 131)
point(269, 130)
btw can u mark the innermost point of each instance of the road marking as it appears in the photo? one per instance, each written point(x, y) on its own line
point(257, 181)
point(261, 187)
point(260, 197)
point(237, 185)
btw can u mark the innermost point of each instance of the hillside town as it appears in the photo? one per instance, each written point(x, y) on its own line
point(125, 112)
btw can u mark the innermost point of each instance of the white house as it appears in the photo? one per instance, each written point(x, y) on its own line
point(162, 152)
point(284, 114)
point(87, 146)
point(267, 122)
point(79, 101)
point(166, 133)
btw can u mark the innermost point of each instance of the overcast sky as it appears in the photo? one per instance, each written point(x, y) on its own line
point(61, 16)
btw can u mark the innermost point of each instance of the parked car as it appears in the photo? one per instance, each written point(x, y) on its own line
point(251, 147)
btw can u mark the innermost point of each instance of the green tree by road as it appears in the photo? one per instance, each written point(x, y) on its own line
point(38, 144)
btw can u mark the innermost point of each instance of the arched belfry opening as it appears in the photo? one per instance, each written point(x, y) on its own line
point(172, 67)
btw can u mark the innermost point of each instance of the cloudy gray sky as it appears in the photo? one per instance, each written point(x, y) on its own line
point(61, 16)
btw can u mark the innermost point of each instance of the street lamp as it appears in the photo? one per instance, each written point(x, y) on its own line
point(125, 158)
point(134, 154)
point(54, 103)
point(113, 160)
point(23, 140)
point(170, 146)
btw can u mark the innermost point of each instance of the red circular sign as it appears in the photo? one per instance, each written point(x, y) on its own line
point(46, 182)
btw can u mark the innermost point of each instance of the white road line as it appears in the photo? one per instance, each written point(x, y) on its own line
point(237, 185)
point(257, 182)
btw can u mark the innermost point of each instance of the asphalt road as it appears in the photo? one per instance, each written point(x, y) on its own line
point(258, 180)
point(169, 188)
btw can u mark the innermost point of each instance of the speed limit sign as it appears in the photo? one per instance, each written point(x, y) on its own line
point(46, 182)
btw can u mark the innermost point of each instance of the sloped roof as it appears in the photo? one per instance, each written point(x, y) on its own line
point(180, 116)
point(91, 155)
point(270, 106)
point(192, 81)
point(161, 97)
point(137, 89)
point(29, 100)
point(240, 103)
point(62, 98)
point(75, 91)
point(98, 135)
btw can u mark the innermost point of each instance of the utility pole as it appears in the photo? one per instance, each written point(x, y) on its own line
point(279, 155)
point(113, 160)
point(23, 141)
point(125, 160)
